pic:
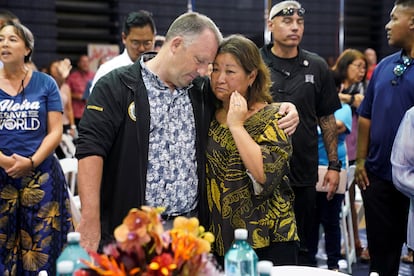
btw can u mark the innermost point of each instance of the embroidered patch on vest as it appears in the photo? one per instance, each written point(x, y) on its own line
point(309, 78)
point(94, 107)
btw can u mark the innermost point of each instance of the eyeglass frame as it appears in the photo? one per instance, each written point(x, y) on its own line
point(290, 11)
point(359, 66)
point(139, 43)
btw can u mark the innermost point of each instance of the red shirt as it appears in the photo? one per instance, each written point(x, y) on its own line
point(370, 71)
point(77, 82)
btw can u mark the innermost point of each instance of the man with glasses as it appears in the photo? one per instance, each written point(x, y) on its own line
point(138, 37)
point(303, 78)
point(390, 93)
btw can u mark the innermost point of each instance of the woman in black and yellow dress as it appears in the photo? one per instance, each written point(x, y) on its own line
point(248, 158)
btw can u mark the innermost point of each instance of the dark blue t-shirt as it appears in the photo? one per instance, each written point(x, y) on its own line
point(23, 118)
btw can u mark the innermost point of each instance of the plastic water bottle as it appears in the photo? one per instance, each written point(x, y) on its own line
point(264, 268)
point(65, 268)
point(240, 259)
point(73, 252)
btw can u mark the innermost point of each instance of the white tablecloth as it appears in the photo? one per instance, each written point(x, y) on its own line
point(288, 270)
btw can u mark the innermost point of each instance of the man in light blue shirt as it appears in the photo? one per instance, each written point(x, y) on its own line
point(402, 160)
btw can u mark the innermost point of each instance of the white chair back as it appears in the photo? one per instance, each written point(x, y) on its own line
point(70, 169)
point(67, 146)
point(346, 223)
point(351, 172)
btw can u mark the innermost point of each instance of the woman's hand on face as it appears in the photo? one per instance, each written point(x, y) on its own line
point(237, 112)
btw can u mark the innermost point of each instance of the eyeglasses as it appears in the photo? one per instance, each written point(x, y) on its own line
point(399, 69)
point(139, 43)
point(360, 66)
point(290, 11)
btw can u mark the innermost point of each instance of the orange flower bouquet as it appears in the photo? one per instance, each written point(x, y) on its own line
point(142, 247)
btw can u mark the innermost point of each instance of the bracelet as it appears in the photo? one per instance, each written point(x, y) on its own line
point(73, 126)
point(31, 160)
point(335, 165)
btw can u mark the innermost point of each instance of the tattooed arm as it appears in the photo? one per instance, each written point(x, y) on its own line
point(330, 139)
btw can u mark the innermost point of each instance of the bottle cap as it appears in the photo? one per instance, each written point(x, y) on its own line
point(73, 237)
point(240, 234)
point(265, 267)
point(65, 267)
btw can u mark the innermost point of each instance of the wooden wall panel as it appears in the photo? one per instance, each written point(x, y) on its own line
point(81, 22)
point(243, 17)
point(321, 27)
point(64, 27)
point(40, 18)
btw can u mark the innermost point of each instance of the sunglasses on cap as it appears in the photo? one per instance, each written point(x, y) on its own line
point(290, 12)
point(400, 68)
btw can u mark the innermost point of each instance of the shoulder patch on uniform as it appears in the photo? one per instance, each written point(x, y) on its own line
point(131, 111)
point(94, 107)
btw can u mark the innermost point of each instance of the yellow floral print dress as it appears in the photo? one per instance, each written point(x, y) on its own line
point(268, 216)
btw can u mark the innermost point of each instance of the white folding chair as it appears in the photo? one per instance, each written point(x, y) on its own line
point(70, 169)
point(346, 223)
point(67, 146)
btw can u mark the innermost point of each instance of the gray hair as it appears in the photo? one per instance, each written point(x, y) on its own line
point(25, 34)
point(190, 26)
point(405, 3)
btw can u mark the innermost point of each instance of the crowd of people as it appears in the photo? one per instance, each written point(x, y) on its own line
point(211, 127)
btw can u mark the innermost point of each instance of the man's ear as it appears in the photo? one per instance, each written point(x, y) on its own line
point(176, 42)
point(411, 24)
point(269, 25)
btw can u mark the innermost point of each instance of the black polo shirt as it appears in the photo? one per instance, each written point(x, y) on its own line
point(307, 82)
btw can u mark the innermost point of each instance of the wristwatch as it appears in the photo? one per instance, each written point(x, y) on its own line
point(335, 165)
